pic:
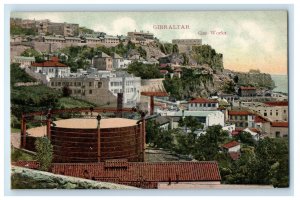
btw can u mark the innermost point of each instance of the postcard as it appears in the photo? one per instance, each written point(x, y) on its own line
point(149, 100)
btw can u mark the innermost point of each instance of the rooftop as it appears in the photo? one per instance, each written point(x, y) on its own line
point(280, 124)
point(83, 124)
point(239, 112)
point(92, 123)
point(144, 172)
point(277, 103)
point(54, 62)
point(203, 100)
point(231, 144)
point(202, 113)
point(247, 88)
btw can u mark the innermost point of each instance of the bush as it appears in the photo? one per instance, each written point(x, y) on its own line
point(44, 153)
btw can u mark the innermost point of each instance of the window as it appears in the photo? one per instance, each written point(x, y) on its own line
point(284, 111)
point(265, 114)
point(276, 113)
point(90, 84)
point(99, 84)
point(277, 133)
point(191, 105)
point(52, 83)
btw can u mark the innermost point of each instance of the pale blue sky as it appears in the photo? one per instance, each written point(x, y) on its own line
point(254, 39)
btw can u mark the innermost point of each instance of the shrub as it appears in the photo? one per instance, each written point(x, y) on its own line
point(44, 153)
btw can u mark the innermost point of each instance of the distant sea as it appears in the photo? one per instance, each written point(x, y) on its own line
point(281, 83)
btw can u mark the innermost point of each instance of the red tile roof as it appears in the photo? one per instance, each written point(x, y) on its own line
point(261, 119)
point(239, 112)
point(54, 62)
point(277, 103)
point(254, 130)
point(231, 144)
point(280, 124)
point(156, 94)
point(247, 88)
point(203, 100)
point(147, 172)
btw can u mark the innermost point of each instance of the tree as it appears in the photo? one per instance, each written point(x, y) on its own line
point(191, 123)
point(175, 48)
point(31, 53)
point(145, 71)
point(44, 153)
point(245, 138)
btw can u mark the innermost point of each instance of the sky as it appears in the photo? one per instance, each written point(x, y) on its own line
point(247, 39)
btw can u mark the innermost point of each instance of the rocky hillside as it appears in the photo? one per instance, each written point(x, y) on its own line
point(261, 80)
point(23, 178)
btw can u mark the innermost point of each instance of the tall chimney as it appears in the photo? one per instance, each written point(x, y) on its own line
point(119, 105)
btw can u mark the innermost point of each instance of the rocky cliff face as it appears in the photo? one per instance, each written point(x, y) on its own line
point(260, 80)
point(23, 178)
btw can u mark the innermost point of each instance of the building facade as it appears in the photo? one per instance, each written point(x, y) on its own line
point(199, 104)
point(51, 68)
point(185, 45)
point(247, 91)
point(141, 37)
point(241, 118)
point(102, 89)
point(24, 61)
point(118, 61)
point(103, 62)
point(275, 111)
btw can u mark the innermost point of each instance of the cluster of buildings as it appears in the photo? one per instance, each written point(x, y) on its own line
point(47, 27)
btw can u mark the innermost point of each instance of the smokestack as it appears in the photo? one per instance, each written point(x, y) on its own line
point(119, 105)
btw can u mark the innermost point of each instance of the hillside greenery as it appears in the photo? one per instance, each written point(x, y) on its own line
point(205, 54)
point(188, 85)
point(265, 162)
point(145, 71)
point(26, 99)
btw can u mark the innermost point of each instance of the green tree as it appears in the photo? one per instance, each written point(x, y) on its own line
point(44, 153)
point(245, 138)
point(145, 71)
point(175, 48)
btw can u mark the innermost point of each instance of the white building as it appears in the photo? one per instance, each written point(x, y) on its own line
point(199, 104)
point(101, 87)
point(254, 134)
point(232, 146)
point(51, 68)
point(127, 63)
point(24, 61)
point(118, 61)
point(207, 118)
